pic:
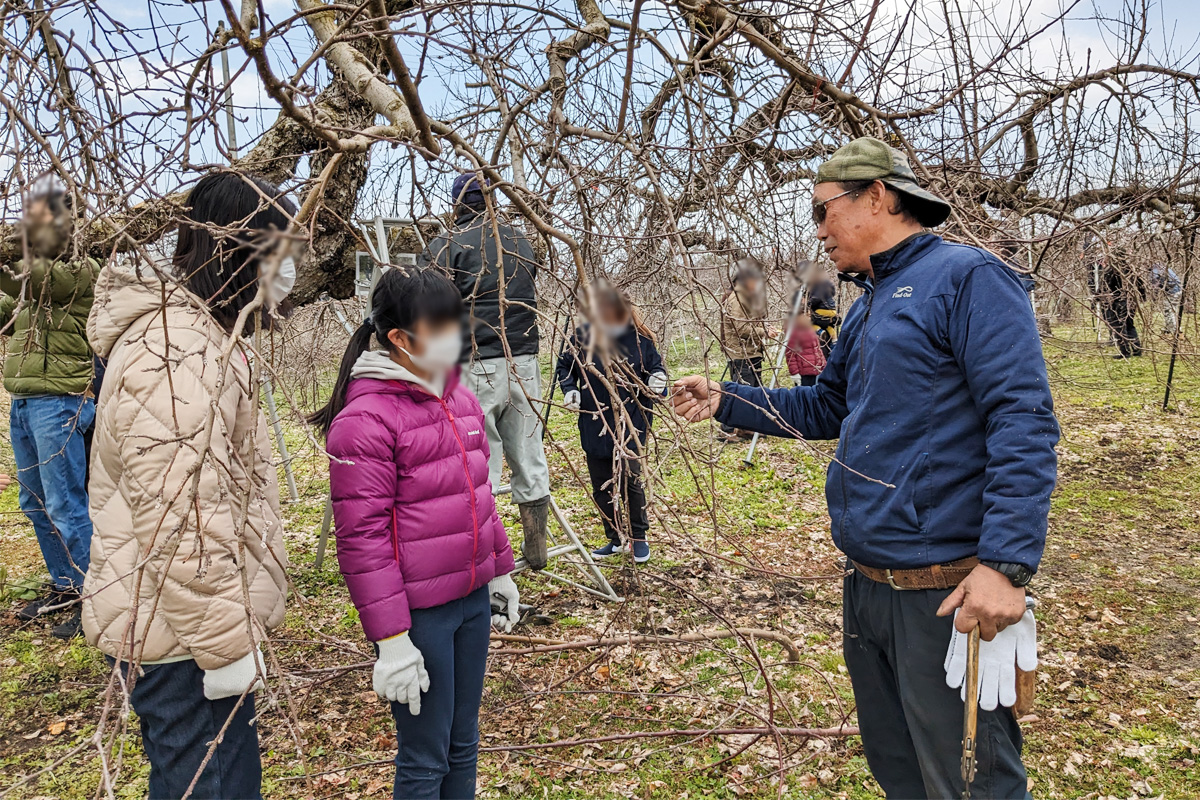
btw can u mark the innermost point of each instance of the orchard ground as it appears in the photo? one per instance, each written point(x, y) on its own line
point(1118, 707)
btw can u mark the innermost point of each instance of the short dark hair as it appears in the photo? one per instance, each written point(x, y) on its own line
point(221, 267)
point(900, 204)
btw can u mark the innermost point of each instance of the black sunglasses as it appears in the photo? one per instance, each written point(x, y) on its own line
point(818, 207)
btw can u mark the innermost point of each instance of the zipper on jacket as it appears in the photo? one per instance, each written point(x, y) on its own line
point(862, 369)
point(470, 487)
point(395, 536)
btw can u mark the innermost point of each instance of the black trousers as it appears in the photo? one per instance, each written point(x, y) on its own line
point(625, 491)
point(178, 725)
point(746, 371)
point(911, 721)
point(1119, 315)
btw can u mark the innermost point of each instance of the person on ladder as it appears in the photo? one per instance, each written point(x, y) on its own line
point(618, 350)
point(495, 270)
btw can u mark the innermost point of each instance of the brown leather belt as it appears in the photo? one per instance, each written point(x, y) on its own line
point(938, 576)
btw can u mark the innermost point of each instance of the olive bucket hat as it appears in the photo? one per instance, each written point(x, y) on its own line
point(869, 159)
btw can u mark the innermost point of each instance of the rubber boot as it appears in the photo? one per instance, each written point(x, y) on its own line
point(534, 517)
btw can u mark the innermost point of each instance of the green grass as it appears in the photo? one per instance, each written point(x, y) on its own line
point(1119, 593)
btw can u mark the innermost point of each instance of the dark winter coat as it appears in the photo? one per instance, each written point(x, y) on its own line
point(470, 256)
point(937, 392)
point(637, 359)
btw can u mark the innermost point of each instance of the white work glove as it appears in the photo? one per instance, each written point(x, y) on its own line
point(505, 589)
point(400, 674)
point(572, 399)
point(233, 679)
point(657, 382)
point(1015, 646)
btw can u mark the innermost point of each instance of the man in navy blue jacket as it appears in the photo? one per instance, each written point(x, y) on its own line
point(940, 488)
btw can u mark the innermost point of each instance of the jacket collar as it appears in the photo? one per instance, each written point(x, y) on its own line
point(465, 215)
point(380, 366)
point(394, 384)
point(902, 254)
point(892, 260)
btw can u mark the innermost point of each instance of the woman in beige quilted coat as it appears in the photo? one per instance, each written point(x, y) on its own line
point(187, 563)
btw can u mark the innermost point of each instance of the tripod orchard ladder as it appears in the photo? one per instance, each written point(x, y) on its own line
point(574, 545)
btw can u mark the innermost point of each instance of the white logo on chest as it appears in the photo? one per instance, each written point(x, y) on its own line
point(902, 291)
point(472, 433)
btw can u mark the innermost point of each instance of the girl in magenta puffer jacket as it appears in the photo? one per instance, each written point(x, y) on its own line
point(418, 538)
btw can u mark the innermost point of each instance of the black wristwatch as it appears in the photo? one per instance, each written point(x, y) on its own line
point(1019, 574)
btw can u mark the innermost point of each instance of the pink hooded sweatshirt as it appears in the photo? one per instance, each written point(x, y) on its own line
point(415, 519)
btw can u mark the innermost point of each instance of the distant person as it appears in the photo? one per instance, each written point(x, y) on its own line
point(48, 373)
point(822, 306)
point(484, 256)
point(188, 570)
point(940, 489)
point(619, 349)
point(805, 357)
point(420, 544)
point(1168, 290)
point(1121, 291)
point(744, 329)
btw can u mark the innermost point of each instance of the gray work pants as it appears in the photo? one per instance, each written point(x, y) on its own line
point(911, 721)
point(514, 426)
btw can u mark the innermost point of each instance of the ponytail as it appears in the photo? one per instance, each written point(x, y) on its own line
point(360, 342)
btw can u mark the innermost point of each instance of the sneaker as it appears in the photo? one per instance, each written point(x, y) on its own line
point(37, 608)
point(70, 629)
point(641, 551)
point(608, 550)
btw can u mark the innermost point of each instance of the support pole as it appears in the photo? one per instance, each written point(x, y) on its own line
point(1187, 273)
point(273, 412)
point(787, 337)
point(268, 387)
point(229, 120)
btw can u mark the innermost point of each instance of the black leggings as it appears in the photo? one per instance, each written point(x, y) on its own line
point(628, 487)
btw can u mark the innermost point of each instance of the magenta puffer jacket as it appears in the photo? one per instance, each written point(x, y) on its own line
point(415, 519)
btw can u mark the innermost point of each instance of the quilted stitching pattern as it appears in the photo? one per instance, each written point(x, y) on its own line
point(186, 536)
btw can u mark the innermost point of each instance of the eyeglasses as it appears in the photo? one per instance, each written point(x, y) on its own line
point(818, 208)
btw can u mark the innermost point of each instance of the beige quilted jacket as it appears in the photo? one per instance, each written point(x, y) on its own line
point(174, 567)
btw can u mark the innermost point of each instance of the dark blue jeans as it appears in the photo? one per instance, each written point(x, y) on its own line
point(179, 724)
point(48, 444)
point(911, 721)
point(439, 748)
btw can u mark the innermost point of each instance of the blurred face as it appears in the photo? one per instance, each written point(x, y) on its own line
point(613, 320)
point(47, 235)
point(751, 285)
point(430, 349)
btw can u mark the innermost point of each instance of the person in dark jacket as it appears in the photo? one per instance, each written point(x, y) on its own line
point(495, 270)
point(822, 307)
point(940, 489)
point(48, 372)
point(620, 351)
point(1121, 290)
